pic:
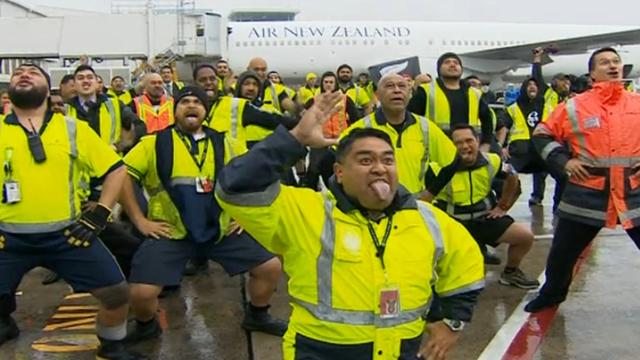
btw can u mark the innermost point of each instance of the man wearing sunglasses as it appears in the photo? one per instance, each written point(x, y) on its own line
point(41, 223)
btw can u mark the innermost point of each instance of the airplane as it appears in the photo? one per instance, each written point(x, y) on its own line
point(497, 52)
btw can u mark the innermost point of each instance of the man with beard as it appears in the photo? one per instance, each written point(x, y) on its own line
point(119, 91)
point(357, 94)
point(44, 151)
point(153, 107)
point(362, 259)
point(271, 93)
point(171, 87)
point(178, 167)
point(449, 101)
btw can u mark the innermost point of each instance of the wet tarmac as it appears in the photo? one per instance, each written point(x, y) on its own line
point(202, 320)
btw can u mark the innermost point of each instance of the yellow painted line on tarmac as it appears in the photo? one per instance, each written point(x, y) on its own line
point(77, 307)
point(67, 324)
point(66, 343)
point(77, 296)
point(73, 315)
point(82, 327)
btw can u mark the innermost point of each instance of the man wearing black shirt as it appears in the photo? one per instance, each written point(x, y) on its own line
point(449, 101)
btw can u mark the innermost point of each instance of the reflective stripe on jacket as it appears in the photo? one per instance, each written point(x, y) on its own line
point(601, 128)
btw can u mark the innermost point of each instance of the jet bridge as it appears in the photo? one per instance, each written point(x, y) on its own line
point(115, 36)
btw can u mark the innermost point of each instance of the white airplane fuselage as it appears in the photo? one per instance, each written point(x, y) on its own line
point(294, 48)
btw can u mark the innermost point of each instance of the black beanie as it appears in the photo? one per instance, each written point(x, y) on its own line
point(44, 73)
point(444, 57)
point(192, 91)
point(344, 66)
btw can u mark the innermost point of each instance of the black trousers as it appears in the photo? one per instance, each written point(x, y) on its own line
point(569, 241)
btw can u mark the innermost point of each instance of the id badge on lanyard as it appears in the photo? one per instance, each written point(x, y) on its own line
point(389, 301)
point(10, 188)
point(388, 293)
point(204, 185)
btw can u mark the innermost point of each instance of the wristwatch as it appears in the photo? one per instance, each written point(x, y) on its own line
point(454, 325)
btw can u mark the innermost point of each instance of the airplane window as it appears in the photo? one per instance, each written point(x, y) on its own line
point(499, 43)
point(304, 43)
point(466, 43)
point(364, 42)
point(259, 43)
point(444, 42)
point(473, 43)
point(244, 44)
point(282, 43)
point(339, 42)
point(318, 42)
point(430, 42)
point(486, 43)
point(333, 42)
point(372, 43)
point(253, 43)
point(289, 43)
point(407, 42)
point(237, 43)
point(493, 43)
point(296, 43)
point(459, 43)
point(386, 42)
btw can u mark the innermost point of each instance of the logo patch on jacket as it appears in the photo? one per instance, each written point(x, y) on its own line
point(592, 123)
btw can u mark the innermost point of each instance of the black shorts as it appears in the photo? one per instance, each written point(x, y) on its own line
point(85, 269)
point(488, 231)
point(162, 262)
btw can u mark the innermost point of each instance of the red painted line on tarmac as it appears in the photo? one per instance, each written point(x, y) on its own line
point(528, 339)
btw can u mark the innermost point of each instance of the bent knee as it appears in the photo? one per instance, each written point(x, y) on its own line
point(114, 296)
point(272, 266)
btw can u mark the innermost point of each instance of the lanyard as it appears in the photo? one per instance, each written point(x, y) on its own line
point(380, 246)
point(191, 151)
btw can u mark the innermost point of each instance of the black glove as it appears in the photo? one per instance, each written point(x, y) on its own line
point(87, 228)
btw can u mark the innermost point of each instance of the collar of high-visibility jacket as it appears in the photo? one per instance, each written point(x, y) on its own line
point(381, 119)
point(403, 200)
point(609, 91)
point(480, 162)
point(12, 119)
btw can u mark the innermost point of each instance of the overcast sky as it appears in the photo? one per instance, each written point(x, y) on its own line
point(536, 11)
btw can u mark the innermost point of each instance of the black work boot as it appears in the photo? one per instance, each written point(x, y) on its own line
point(141, 331)
point(8, 329)
point(259, 319)
point(115, 350)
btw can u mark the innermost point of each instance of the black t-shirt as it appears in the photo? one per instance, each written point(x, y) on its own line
point(458, 105)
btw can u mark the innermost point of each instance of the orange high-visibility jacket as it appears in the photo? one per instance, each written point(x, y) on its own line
point(338, 122)
point(601, 129)
point(155, 120)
